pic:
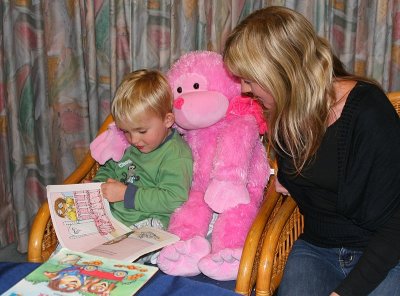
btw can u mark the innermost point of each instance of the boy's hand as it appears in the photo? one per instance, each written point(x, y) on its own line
point(113, 190)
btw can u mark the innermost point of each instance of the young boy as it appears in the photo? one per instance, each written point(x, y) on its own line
point(154, 175)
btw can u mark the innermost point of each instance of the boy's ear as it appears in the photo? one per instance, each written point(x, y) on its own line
point(169, 119)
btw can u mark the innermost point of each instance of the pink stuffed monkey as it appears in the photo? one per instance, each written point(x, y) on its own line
point(230, 168)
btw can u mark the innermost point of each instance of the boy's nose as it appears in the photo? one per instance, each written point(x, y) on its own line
point(133, 139)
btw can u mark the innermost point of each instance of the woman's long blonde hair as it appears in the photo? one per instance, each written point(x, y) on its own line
point(278, 48)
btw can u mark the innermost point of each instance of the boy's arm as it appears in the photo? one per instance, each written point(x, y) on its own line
point(171, 191)
point(105, 171)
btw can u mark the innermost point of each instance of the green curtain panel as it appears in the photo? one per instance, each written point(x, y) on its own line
point(61, 61)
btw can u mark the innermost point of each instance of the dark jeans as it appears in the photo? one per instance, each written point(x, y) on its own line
point(312, 270)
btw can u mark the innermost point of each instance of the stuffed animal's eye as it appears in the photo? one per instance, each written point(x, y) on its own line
point(179, 90)
point(196, 86)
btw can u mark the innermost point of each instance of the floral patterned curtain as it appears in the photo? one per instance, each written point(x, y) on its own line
point(61, 61)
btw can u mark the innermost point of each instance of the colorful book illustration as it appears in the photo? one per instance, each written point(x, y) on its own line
point(83, 223)
point(75, 273)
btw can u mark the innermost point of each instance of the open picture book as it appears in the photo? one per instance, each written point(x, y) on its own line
point(84, 223)
point(76, 273)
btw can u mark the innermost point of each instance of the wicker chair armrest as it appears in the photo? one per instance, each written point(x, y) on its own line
point(36, 234)
point(270, 257)
point(254, 240)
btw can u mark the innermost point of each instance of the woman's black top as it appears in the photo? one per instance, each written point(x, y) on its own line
point(349, 193)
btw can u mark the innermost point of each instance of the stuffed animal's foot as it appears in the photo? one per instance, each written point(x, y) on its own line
point(221, 266)
point(223, 195)
point(182, 257)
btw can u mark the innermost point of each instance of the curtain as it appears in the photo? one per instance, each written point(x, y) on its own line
point(61, 61)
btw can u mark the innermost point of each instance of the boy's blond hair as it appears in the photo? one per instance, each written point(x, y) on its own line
point(142, 91)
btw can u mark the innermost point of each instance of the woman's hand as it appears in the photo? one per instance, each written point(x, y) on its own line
point(113, 190)
point(279, 188)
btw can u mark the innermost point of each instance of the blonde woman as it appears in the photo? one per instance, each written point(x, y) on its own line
point(337, 137)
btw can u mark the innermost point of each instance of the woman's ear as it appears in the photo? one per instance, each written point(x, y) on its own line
point(169, 119)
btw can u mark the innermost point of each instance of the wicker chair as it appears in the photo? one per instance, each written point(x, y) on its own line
point(268, 243)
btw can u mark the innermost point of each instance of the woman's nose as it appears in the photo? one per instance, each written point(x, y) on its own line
point(245, 87)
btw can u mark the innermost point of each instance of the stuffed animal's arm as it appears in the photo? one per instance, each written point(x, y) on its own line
point(111, 144)
point(234, 149)
point(231, 163)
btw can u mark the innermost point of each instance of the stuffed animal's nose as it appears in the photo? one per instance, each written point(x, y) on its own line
point(178, 103)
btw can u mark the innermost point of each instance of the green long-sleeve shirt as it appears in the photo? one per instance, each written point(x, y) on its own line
point(165, 176)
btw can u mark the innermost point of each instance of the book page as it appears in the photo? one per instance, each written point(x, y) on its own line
point(75, 273)
point(134, 244)
point(81, 216)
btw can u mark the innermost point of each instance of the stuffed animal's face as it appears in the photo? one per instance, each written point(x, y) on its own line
point(202, 89)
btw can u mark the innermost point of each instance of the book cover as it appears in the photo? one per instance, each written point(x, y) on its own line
point(84, 223)
point(77, 273)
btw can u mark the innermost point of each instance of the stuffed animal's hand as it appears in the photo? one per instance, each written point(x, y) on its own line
point(111, 144)
point(223, 195)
